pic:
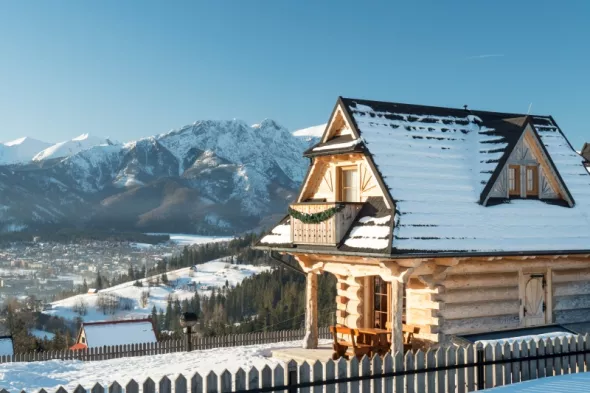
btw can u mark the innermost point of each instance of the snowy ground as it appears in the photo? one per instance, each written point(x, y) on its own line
point(208, 275)
point(184, 239)
point(41, 334)
point(570, 383)
point(50, 375)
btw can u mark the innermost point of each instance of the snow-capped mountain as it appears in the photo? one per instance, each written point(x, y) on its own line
point(71, 147)
point(209, 177)
point(21, 150)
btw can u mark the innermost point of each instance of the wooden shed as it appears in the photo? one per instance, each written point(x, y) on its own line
point(457, 221)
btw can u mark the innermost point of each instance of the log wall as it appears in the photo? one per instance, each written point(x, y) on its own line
point(349, 301)
point(479, 296)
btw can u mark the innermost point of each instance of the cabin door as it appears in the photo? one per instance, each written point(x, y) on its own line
point(534, 310)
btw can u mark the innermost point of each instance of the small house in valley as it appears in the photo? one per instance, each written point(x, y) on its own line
point(6, 346)
point(108, 333)
point(453, 221)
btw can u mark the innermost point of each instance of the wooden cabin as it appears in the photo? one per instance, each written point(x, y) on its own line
point(456, 221)
point(110, 333)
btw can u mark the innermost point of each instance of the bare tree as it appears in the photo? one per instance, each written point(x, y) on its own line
point(144, 298)
point(81, 307)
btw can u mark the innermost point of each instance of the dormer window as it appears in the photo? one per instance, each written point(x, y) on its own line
point(514, 180)
point(531, 181)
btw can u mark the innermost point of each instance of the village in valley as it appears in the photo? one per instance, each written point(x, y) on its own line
point(431, 233)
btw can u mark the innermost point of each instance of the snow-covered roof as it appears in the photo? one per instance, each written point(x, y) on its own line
point(109, 333)
point(437, 163)
point(6, 348)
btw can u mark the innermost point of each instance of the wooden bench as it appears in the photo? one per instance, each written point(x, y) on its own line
point(347, 345)
point(408, 332)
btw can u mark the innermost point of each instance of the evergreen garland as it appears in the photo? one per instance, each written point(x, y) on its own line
point(315, 218)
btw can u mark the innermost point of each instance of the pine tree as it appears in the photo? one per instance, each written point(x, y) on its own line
point(98, 283)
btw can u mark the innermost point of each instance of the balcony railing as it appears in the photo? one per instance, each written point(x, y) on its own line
point(329, 232)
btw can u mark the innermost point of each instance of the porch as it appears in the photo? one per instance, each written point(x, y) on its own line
point(378, 309)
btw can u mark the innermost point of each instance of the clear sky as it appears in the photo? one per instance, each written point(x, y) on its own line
point(128, 69)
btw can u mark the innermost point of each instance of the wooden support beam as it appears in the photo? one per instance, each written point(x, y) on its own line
point(310, 341)
point(397, 336)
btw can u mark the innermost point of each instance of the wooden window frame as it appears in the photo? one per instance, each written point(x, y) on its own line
point(534, 178)
point(514, 191)
point(383, 309)
point(340, 185)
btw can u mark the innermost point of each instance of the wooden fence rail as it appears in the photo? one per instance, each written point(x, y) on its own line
point(169, 346)
point(449, 370)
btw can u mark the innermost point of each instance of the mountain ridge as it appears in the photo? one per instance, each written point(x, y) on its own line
point(211, 177)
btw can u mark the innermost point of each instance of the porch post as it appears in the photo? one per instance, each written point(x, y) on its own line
point(310, 341)
point(397, 298)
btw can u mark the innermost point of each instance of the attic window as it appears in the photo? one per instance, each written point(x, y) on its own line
point(349, 184)
point(529, 186)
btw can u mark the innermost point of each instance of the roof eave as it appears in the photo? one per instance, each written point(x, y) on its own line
point(428, 254)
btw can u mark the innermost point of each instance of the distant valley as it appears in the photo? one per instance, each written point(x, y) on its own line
point(211, 177)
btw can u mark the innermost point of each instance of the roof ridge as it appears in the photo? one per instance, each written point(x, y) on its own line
point(468, 111)
point(117, 321)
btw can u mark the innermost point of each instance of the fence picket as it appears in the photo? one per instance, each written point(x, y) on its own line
point(377, 368)
point(318, 375)
point(180, 384)
point(398, 364)
point(212, 382)
point(253, 378)
point(132, 387)
point(420, 364)
point(573, 358)
point(388, 368)
point(330, 375)
point(353, 371)
point(556, 343)
point(365, 370)
point(580, 347)
point(115, 388)
point(488, 370)
point(533, 364)
point(97, 388)
point(515, 351)
point(266, 377)
point(430, 376)
point(440, 376)
point(451, 360)
point(506, 355)
point(241, 382)
point(410, 379)
point(565, 360)
point(342, 369)
point(165, 385)
point(461, 387)
point(197, 383)
point(279, 377)
point(225, 380)
point(79, 389)
point(149, 386)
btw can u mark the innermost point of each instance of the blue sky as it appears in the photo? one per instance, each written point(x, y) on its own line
point(137, 68)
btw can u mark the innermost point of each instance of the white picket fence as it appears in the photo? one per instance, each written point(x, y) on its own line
point(448, 370)
point(168, 346)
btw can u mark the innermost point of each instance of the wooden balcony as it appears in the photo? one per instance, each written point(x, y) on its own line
point(327, 233)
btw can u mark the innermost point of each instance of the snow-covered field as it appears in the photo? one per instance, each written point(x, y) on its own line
point(208, 275)
point(52, 374)
point(185, 239)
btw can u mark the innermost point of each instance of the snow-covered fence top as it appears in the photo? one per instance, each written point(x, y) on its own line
point(448, 370)
point(168, 346)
